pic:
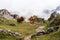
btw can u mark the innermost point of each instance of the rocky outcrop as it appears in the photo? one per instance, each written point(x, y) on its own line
point(6, 14)
point(48, 31)
point(10, 32)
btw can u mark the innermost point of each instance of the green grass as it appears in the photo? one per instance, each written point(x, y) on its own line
point(51, 36)
point(5, 36)
point(24, 28)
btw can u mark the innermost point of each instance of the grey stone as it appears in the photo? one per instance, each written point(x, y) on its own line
point(7, 31)
point(12, 24)
point(52, 29)
point(1, 30)
point(17, 34)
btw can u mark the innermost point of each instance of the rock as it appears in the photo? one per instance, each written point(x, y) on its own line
point(1, 30)
point(49, 31)
point(22, 38)
point(12, 24)
point(40, 33)
point(11, 33)
point(17, 34)
point(7, 31)
point(27, 37)
point(52, 29)
point(40, 29)
point(34, 35)
point(56, 28)
point(6, 14)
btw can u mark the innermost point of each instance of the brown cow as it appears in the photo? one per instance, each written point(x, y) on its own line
point(20, 19)
point(32, 19)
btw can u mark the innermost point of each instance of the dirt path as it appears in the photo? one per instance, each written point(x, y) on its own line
point(27, 37)
point(39, 29)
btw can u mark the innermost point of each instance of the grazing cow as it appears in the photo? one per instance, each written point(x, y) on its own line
point(19, 20)
point(32, 19)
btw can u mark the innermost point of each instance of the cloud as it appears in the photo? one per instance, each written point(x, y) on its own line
point(37, 7)
point(46, 11)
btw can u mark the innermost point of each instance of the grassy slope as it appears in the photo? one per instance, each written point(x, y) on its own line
point(24, 28)
point(5, 36)
point(51, 36)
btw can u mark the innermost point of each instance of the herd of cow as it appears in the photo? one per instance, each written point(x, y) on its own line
point(21, 19)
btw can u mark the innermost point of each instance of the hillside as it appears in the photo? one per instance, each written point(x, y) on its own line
point(25, 29)
point(54, 20)
point(5, 36)
point(52, 36)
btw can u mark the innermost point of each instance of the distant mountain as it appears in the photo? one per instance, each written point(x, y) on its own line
point(48, 11)
point(6, 14)
point(58, 8)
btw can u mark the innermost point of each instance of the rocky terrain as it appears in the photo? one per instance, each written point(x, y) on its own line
point(6, 14)
point(37, 29)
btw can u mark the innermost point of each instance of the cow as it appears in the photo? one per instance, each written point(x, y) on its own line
point(20, 19)
point(32, 19)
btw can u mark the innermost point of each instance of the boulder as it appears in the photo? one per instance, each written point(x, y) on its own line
point(52, 29)
point(40, 33)
point(12, 24)
point(11, 33)
point(40, 29)
point(56, 28)
point(17, 34)
point(1, 30)
point(34, 35)
point(7, 31)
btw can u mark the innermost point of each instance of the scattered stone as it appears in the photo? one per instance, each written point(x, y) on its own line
point(22, 38)
point(17, 34)
point(1, 30)
point(12, 24)
point(27, 37)
point(34, 35)
point(52, 29)
point(40, 33)
point(11, 33)
point(40, 29)
point(7, 31)
point(56, 28)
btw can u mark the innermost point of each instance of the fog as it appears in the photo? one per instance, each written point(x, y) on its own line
point(29, 7)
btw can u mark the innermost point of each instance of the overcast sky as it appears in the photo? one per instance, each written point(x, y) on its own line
point(29, 7)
